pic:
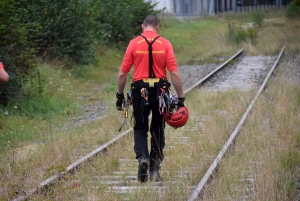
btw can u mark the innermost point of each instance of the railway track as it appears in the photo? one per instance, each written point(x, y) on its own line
point(115, 177)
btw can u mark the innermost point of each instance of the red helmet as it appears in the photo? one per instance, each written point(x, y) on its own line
point(178, 118)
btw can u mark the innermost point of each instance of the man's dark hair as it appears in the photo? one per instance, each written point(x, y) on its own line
point(150, 20)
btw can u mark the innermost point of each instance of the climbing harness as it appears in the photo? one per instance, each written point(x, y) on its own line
point(151, 71)
point(166, 98)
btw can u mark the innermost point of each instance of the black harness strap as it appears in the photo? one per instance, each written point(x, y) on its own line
point(151, 71)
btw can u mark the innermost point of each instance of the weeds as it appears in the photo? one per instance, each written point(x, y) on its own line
point(258, 18)
point(236, 34)
point(252, 32)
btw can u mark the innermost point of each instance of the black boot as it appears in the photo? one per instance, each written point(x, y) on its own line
point(143, 169)
point(155, 171)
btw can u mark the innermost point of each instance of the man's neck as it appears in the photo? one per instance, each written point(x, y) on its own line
point(150, 29)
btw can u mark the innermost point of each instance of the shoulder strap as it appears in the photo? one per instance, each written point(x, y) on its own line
point(151, 71)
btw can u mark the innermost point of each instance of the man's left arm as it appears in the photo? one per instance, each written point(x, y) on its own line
point(175, 75)
point(177, 83)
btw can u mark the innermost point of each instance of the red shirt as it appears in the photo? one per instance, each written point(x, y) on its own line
point(137, 55)
point(1, 65)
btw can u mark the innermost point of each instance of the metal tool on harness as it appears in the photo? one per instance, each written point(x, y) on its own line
point(126, 105)
point(167, 101)
point(129, 98)
point(173, 100)
point(163, 102)
point(144, 100)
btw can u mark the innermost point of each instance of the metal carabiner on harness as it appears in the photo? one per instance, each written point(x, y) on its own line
point(126, 105)
point(162, 104)
point(144, 94)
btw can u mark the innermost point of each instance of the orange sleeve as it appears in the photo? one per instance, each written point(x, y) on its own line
point(170, 61)
point(128, 58)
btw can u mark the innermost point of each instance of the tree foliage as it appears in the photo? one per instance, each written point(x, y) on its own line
point(67, 30)
point(64, 29)
point(16, 50)
point(293, 9)
point(119, 22)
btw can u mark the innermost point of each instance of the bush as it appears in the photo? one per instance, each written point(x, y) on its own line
point(293, 9)
point(258, 18)
point(236, 34)
point(120, 21)
point(16, 51)
point(65, 29)
point(252, 33)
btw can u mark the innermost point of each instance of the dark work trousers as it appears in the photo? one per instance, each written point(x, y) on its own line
point(141, 127)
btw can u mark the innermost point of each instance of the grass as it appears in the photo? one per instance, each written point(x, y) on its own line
point(34, 144)
point(204, 144)
point(197, 41)
point(31, 118)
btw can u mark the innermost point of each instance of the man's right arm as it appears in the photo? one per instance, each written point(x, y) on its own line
point(122, 78)
point(125, 67)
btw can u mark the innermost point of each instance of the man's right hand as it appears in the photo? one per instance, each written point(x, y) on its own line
point(120, 100)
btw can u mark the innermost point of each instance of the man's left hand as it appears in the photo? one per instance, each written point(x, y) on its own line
point(180, 102)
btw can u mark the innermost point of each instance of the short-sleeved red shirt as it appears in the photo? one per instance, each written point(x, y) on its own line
point(137, 55)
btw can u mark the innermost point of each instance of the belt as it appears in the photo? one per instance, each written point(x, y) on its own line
point(152, 83)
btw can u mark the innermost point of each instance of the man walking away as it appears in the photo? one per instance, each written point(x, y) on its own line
point(150, 55)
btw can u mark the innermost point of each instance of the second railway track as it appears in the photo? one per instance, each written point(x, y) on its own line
point(189, 151)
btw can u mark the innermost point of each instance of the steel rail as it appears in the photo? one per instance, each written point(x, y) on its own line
point(44, 184)
point(195, 194)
